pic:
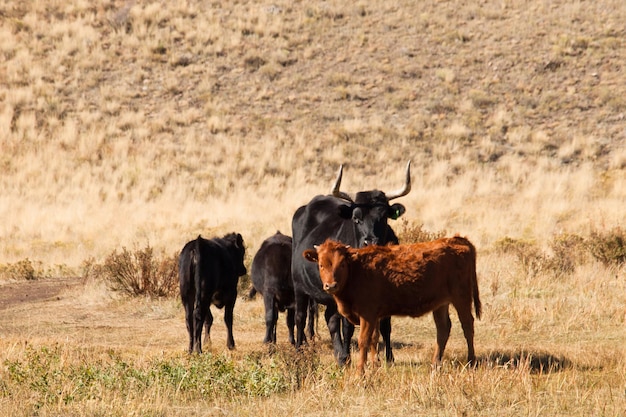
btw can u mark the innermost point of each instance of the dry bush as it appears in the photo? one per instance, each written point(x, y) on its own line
point(21, 270)
point(27, 269)
point(567, 252)
point(529, 255)
point(608, 247)
point(138, 272)
point(415, 233)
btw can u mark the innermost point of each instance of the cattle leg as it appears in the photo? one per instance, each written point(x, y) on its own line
point(312, 319)
point(443, 324)
point(200, 313)
point(347, 330)
point(291, 323)
point(189, 321)
point(333, 320)
point(228, 320)
point(366, 335)
point(207, 327)
point(302, 302)
point(385, 330)
point(271, 316)
point(374, 343)
point(467, 322)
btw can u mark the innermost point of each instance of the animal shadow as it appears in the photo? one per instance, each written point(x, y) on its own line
point(534, 362)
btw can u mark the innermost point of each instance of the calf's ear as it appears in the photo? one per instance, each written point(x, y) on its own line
point(395, 211)
point(310, 255)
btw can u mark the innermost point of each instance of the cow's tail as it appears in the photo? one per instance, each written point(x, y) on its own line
point(478, 307)
point(195, 263)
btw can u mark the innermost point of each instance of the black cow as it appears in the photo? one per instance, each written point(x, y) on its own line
point(271, 276)
point(356, 221)
point(209, 272)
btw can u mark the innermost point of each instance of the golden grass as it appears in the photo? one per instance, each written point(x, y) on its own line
point(126, 123)
point(150, 110)
point(545, 346)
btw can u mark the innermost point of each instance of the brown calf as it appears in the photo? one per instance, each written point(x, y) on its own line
point(402, 280)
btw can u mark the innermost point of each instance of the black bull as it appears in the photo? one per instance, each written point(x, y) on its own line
point(356, 221)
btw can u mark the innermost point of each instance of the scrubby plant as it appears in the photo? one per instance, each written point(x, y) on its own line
point(414, 233)
point(568, 252)
point(529, 255)
point(20, 270)
point(139, 272)
point(608, 247)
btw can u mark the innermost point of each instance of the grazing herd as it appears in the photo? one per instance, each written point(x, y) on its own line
point(346, 256)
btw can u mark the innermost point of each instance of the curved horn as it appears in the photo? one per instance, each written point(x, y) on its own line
point(407, 185)
point(335, 190)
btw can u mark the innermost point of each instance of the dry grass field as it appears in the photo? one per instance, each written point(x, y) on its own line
point(125, 124)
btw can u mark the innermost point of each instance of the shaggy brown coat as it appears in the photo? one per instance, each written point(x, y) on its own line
point(402, 280)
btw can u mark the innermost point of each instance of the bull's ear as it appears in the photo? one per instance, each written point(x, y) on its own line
point(345, 211)
point(395, 211)
point(357, 215)
point(310, 255)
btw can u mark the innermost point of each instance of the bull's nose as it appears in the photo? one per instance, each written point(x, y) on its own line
point(330, 287)
point(372, 241)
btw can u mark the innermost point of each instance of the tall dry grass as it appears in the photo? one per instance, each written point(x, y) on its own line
point(547, 345)
point(127, 122)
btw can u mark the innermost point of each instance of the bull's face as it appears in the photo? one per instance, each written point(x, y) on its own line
point(369, 217)
point(369, 210)
point(331, 260)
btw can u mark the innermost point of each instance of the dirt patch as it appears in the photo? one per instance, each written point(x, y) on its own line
point(14, 293)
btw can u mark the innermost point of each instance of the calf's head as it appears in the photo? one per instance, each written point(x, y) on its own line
point(332, 260)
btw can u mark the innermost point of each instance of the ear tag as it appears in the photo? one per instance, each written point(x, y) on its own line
point(395, 214)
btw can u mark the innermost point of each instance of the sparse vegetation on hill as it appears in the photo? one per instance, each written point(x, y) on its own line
point(126, 121)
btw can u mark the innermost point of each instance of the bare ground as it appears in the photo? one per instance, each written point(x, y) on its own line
point(75, 310)
point(85, 313)
point(17, 293)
